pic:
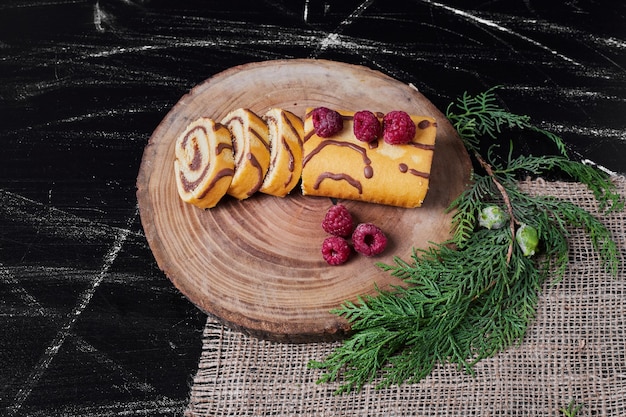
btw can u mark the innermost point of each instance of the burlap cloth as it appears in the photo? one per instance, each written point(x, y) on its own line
point(575, 350)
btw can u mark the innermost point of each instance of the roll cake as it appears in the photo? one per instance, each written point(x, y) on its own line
point(343, 167)
point(251, 150)
point(285, 134)
point(204, 164)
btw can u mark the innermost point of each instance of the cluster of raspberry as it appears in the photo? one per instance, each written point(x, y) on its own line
point(367, 238)
point(397, 127)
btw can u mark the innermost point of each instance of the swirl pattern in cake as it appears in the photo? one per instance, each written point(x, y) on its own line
point(251, 149)
point(204, 164)
point(286, 131)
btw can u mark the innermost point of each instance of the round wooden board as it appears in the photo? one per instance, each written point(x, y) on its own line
point(256, 264)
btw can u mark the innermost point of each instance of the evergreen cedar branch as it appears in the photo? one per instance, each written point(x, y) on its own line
point(471, 297)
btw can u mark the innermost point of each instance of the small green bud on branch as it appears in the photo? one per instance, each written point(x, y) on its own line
point(492, 217)
point(527, 239)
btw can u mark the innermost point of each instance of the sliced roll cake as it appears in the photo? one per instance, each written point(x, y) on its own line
point(285, 134)
point(251, 149)
point(204, 164)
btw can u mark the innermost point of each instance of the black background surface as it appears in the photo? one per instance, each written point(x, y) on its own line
point(89, 325)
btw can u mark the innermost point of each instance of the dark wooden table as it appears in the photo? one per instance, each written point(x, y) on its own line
point(90, 325)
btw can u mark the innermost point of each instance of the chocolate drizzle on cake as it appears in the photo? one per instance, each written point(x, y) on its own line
point(368, 171)
point(334, 142)
point(422, 146)
point(226, 172)
point(424, 124)
point(261, 138)
point(292, 160)
point(255, 163)
point(293, 129)
point(338, 177)
point(404, 168)
point(308, 135)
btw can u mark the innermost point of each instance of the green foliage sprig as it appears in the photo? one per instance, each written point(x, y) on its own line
point(475, 295)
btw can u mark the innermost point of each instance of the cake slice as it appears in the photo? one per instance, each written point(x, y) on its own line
point(251, 149)
point(341, 166)
point(204, 164)
point(285, 133)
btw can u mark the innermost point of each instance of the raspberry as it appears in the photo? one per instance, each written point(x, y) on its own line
point(398, 127)
point(366, 126)
point(368, 239)
point(338, 221)
point(326, 122)
point(335, 250)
